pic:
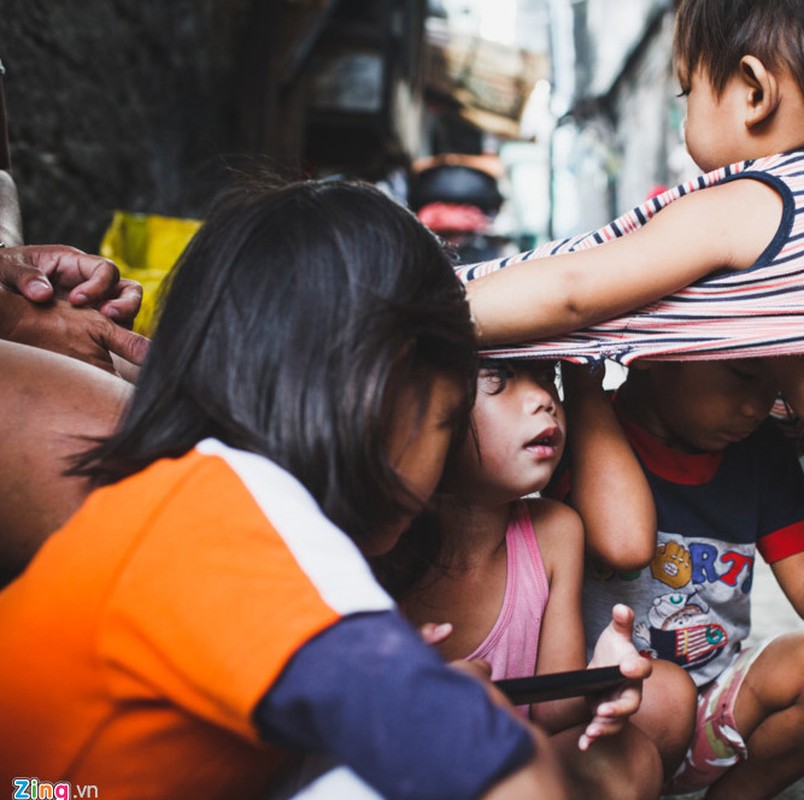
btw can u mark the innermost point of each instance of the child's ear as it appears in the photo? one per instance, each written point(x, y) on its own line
point(762, 88)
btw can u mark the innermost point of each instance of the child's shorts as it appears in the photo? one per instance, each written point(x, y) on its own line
point(716, 744)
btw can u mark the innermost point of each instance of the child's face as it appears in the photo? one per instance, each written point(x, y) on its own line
point(714, 124)
point(520, 432)
point(709, 405)
point(418, 447)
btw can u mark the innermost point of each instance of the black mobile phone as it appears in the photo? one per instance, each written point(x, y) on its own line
point(539, 688)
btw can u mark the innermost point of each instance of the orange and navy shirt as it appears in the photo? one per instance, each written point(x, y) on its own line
point(145, 633)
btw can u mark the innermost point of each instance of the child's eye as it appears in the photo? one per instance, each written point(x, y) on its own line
point(746, 376)
point(492, 381)
point(493, 376)
point(683, 92)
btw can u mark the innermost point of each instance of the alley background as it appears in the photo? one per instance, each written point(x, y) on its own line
point(142, 105)
point(567, 107)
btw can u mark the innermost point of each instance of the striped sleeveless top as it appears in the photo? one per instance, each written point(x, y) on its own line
point(756, 312)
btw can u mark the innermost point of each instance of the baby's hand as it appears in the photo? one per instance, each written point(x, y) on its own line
point(614, 646)
point(435, 633)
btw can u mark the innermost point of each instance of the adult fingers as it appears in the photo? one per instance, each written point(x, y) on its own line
point(89, 279)
point(126, 305)
point(19, 273)
point(122, 342)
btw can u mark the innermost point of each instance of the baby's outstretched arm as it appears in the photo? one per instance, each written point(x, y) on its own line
point(723, 227)
point(614, 646)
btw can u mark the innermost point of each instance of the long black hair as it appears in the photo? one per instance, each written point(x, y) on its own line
point(291, 323)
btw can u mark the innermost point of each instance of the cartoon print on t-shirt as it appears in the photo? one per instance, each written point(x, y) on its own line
point(680, 625)
point(679, 630)
point(686, 600)
point(672, 564)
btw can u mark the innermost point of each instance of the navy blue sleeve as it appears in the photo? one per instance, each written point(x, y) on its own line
point(370, 693)
point(781, 517)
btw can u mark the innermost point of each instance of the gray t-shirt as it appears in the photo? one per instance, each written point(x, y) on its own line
point(692, 602)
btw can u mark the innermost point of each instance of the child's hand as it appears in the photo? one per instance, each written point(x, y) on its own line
point(614, 646)
point(435, 633)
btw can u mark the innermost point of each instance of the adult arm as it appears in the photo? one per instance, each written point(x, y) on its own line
point(48, 403)
point(10, 219)
point(370, 694)
point(608, 488)
point(722, 227)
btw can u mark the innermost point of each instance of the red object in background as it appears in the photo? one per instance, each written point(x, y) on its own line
point(656, 190)
point(453, 217)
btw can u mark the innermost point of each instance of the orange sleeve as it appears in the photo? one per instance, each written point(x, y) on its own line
point(211, 603)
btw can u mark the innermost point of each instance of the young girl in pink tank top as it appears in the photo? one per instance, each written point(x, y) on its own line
point(504, 570)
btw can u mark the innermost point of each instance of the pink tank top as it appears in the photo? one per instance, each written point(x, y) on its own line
point(513, 642)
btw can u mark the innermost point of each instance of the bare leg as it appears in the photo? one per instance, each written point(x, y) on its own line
point(769, 713)
point(667, 712)
point(621, 767)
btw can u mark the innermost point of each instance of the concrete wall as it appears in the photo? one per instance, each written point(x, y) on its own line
point(114, 104)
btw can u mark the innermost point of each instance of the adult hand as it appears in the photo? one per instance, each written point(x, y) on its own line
point(614, 646)
point(60, 327)
point(55, 271)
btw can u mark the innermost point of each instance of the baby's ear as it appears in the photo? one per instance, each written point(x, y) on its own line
point(762, 90)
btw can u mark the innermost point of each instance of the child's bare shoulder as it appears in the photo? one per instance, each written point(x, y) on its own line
point(733, 221)
point(555, 524)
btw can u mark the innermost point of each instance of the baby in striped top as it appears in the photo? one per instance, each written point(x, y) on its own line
point(726, 252)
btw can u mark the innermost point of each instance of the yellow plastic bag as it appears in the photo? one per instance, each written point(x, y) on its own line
point(145, 247)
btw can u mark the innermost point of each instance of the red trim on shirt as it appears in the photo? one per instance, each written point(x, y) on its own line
point(688, 469)
point(780, 544)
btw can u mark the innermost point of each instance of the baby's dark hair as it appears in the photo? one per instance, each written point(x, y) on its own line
point(716, 34)
point(292, 322)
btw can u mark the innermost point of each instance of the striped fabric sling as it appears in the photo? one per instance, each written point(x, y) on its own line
point(755, 312)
